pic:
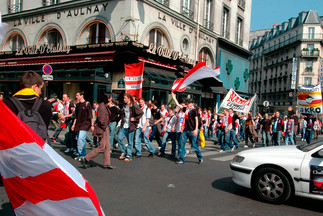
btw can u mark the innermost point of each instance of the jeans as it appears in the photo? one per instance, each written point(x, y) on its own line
point(125, 133)
point(81, 141)
point(112, 127)
point(303, 133)
point(206, 131)
point(183, 138)
point(57, 132)
point(172, 137)
point(231, 134)
point(289, 137)
point(242, 135)
point(178, 139)
point(89, 140)
point(139, 136)
point(154, 133)
point(220, 135)
point(309, 134)
point(265, 138)
point(276, 138)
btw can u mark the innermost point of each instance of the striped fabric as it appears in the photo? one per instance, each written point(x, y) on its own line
point(38, 181)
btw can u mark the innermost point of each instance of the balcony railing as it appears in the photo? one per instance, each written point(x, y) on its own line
point(308, 69)
point(14, 8)
point(310, 53)
point(164, 2)
point(242, 4)
point(49, 2)
point(316, 37)
point(188, 13)
point(208, 24)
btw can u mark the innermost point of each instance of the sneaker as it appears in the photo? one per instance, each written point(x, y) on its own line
point(127, 159)
point(122, 156)
point(67, 150)
point(254, 145)
point(53, 139)
point(221, 151)
point(200, 161)
point(160, 154)
point(77, 158)
point(179, 162)
point(151, 155)
point(245, 146)
point(83, 162)
point(108, 167)
point(233, 148)
point(137, 156)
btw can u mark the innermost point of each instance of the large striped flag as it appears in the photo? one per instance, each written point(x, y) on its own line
point(198, 72)
point(134, 78)
point(38, 181)
point(309, 99)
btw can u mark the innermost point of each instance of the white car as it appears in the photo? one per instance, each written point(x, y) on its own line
point(276, 173)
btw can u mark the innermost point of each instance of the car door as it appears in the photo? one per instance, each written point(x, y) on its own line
point(312, 172)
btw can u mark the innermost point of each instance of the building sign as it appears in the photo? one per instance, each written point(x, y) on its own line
point(82, 11)
point(43, 49)
point(167, 53)
point(121, 83)
point(294, 73)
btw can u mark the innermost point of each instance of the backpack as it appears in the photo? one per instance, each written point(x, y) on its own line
point(31, 117)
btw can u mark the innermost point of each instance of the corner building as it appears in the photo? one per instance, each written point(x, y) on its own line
point(288, 55)
point(87, 44)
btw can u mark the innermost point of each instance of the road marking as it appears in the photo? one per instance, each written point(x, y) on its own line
point(224, 158)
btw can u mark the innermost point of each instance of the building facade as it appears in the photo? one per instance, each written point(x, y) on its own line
point(288, 55)
point(88, 42)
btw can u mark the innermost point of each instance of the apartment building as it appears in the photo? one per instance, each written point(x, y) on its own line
point(288, 55)
point(87, 43)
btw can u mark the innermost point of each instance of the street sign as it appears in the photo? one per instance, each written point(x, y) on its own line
point(266, 103)
point(290, 108)
point(47, 69)
point(47, 77)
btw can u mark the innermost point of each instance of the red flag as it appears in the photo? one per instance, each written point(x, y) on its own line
point(134, 78)
point(38, 181)
point(199, 71)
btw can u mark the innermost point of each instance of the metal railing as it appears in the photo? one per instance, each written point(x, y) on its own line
point(49, 2)
point(188, 13)
point(164, 2)
point(14, 8)
point(310, 53)
point(208, 24)
point(307, 37)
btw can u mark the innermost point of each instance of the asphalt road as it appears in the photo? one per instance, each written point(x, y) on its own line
point(158, 186)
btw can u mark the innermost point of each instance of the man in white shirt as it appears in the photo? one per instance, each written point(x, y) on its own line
point(143, 130)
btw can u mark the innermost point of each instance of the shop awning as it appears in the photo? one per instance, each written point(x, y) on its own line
point(153, 74)
point(88, 57)
point(219, 90)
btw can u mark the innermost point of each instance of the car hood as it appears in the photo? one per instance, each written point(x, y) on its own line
point(272, 150)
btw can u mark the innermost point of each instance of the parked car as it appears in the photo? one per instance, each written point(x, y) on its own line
point(278, 172)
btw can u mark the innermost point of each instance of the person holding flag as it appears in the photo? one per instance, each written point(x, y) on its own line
point(189, 130)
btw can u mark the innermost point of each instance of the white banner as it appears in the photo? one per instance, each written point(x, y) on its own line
point(138, 86)
point(309, 99)
point(237, 103)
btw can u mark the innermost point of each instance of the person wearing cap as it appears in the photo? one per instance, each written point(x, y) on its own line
point(189, 130)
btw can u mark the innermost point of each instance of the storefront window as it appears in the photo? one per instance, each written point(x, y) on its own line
point(51, 37)
point(205, 55)
point(95, 32)
point(14, 42)
point(158, 37)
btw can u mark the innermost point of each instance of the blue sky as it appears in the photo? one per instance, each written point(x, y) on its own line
point(267, 12)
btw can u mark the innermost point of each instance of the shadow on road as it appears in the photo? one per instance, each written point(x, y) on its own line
point(227, 185)
point(6, 209)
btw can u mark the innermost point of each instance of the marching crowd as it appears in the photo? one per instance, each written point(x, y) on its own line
point(140, 122)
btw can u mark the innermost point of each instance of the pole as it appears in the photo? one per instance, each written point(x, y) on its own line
point(45, 89)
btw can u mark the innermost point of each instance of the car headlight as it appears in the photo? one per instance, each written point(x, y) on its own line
point(238, 159)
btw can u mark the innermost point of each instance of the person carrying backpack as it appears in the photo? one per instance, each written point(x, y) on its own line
point(29, 106)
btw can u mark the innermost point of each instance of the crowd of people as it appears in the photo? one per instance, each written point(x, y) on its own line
point(141, 122)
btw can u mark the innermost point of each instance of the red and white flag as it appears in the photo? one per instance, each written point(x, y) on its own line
point(134, 78)
point(38, 181)
point(199, 71)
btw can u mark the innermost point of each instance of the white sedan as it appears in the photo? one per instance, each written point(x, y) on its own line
point(276, 173)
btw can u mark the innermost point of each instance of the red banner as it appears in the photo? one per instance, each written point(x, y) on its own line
point(134, 78)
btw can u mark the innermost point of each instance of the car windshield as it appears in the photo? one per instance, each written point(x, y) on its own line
point(307, 148)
